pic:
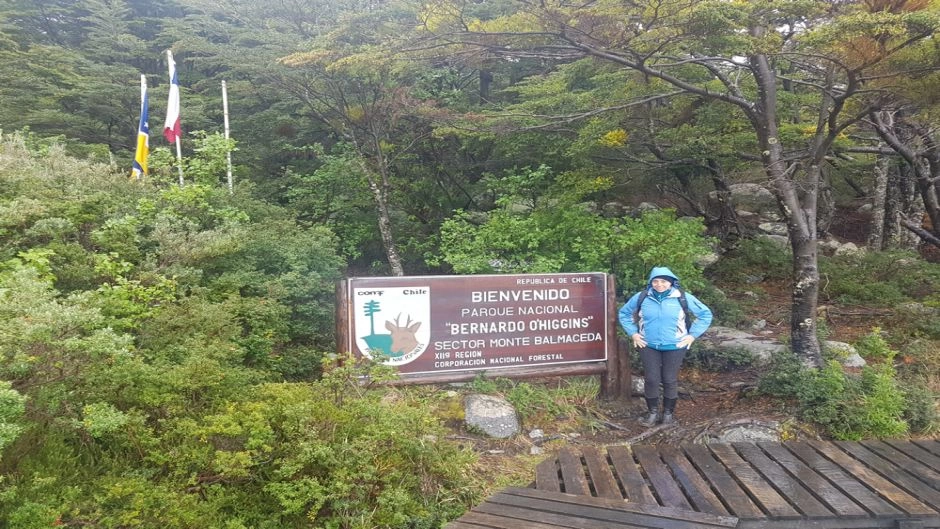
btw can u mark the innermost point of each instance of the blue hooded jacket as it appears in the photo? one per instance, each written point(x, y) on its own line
point(662, 322)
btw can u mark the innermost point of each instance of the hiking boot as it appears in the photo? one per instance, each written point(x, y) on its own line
point(652, 414)
point(651, 419)
point(669, 411)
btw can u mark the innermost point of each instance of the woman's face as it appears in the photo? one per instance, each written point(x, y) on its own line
point(660, 285)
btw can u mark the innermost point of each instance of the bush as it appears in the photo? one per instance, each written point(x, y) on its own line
point(847, 406)
point(754, 260)
point(880, 279)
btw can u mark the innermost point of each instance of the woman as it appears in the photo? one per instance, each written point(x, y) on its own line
point(656, 319)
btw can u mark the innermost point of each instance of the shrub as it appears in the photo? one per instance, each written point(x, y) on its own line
point(881, 279)
point(754, 260)
point(847, 406)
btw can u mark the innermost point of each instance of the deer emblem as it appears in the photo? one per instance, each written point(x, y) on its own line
point(403, 337)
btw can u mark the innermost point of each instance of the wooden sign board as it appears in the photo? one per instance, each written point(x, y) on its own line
point(452, 324)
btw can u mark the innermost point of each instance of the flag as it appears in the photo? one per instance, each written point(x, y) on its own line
point(143, 133)
point(172, 130)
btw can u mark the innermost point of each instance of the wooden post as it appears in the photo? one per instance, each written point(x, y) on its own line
point(343, 344)
point(610, 380)
point(626, 368)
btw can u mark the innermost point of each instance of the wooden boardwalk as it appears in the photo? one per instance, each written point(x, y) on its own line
point(800, 485)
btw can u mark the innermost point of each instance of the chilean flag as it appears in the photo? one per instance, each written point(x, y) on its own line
point(172, 130)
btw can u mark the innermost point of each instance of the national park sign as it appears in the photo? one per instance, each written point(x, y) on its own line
point(447, 324)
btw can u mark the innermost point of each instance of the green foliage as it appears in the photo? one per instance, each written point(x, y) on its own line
point(545, 402)
point(12, 409)
point(920, 406)
point(847, 406)
point(754, 259)
point(557, 232)
point(722, 360)
point(880, 279)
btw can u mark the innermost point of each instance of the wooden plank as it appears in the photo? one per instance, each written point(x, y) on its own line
point(502, 521)
point(883, 487)
point(903, 459)
point(609, 510)
point(930, 445)
point(895, 474)
point(794, 491)
point(760, 490)
point(665, 486)
point(731, 494)
point(846, 482)
point(457, 524)
point(696, 488)
point(602, 478)
point(841, 504)
point(572, 472)
point(546, 475)
point(633, 482)
point(916, 452)
point(622, 505)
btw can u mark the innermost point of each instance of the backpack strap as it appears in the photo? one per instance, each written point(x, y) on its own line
point(683, 302)
point(639, 304)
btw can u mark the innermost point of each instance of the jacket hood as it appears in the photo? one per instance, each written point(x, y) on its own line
point(661, 271)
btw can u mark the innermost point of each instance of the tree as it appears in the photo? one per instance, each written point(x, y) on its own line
point(796, 71)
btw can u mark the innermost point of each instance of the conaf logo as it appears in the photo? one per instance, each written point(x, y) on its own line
point(404, 312)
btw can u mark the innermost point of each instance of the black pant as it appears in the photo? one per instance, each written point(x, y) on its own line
point(661, 367)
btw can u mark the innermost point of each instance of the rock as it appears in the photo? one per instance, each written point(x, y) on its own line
point(704, 261)
point(494, 416)
point(854, 360)
point(536, 451)
point(639, 386)
point(773, 228)
point(759, 324)
point(752, 198)
point(848, 248)
point(719, 338)
point(865, 208)
point(750, 433)
point(536, 434)
point(614, 210)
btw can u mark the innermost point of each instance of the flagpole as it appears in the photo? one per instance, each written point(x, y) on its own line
point(228, 151)
point(179, 159)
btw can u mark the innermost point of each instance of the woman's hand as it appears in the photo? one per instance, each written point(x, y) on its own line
point(638, 341)
point(685, 342)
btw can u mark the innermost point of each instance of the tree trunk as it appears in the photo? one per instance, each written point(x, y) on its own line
point(826, 207)
point(724, 224)
point(911, 208)
point(894, 208)
point(385, 229)
point(798, 208)
point(381, 188)
point(878, 205)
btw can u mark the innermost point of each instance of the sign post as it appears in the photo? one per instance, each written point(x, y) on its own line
point(436, 329)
